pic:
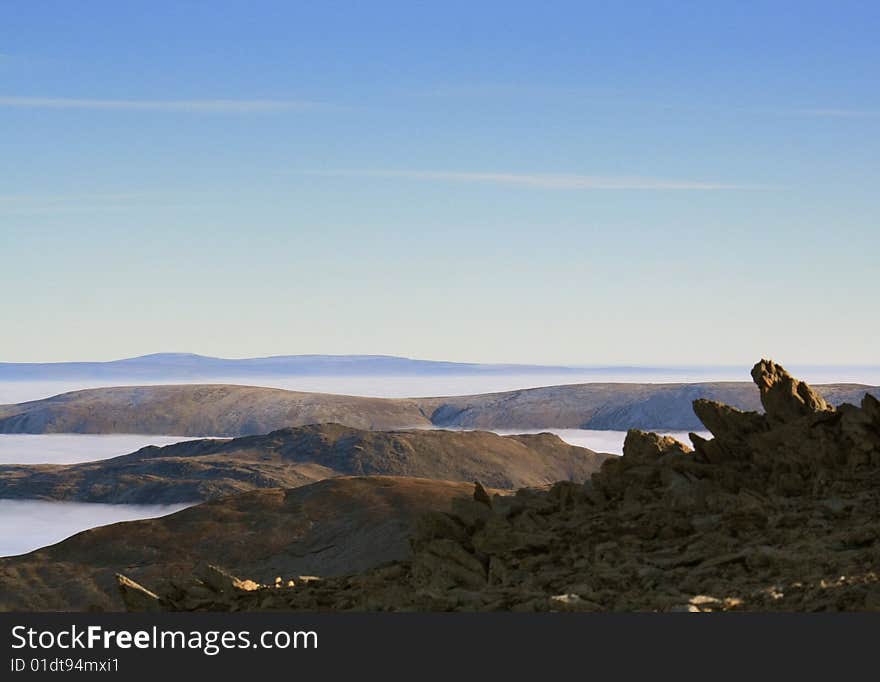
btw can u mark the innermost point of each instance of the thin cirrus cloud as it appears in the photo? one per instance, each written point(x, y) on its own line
point(178, 105)
point(543, 180)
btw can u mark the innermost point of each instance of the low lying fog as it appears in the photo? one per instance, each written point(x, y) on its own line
point(70, 448)
point(26, 525)
point(447, 385)
point(600, 441)
point(368, 386)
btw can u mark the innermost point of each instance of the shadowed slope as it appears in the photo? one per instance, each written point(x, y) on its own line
point(204, 469)
point(333, 527)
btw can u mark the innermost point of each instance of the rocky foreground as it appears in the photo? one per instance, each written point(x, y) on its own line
point(333, 527)
point(779, 511)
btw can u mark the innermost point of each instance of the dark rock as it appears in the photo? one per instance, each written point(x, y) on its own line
point(785, 398)
point(480, 494)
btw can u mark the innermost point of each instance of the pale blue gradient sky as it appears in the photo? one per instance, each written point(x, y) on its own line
point(661, 183)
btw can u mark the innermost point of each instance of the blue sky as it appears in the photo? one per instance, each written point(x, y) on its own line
point(593, 183)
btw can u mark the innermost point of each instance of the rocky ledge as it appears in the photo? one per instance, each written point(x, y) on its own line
point(778, 511)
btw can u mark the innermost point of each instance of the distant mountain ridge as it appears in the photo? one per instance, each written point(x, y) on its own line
point(232, 410)
point(193, 366)
point(190, 365)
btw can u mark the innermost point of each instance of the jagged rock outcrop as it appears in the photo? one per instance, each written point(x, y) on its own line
point(783, 396)
point(779, 511)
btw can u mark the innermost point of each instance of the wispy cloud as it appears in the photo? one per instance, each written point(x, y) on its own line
point(544, 180)
point(172, 105)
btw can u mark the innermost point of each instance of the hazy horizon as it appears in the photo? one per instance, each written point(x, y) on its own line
point(160, 356)
point(421, 386)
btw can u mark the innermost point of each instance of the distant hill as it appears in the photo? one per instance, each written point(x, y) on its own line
point(288, 458)
point(230, 410)
point(179, 366)
point(607, 406)
point(334, 527)
point(203, 410)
